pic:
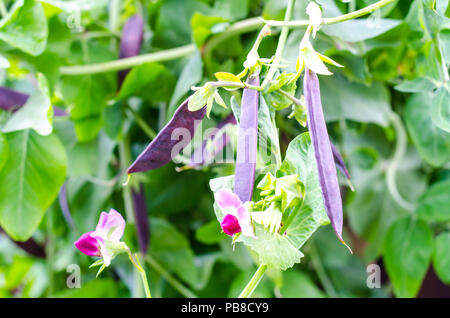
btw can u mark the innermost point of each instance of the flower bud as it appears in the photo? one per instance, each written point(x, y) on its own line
point(88, 245)
point(230, 225)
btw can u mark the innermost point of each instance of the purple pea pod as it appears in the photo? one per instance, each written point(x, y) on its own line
point(64, 205)
point(247, 142)
point(141, 218)
point(131, 41)
point(170, 141)
point(12, 100)
point(323, 153)
point(219, 138)
point(340, 163)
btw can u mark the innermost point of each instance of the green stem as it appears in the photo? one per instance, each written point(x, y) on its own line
point(114, 14)
point(291, 217)
point(125, 159)
point(321, 273)
point(172, 280)
point(135, 261)
point(292, 98)
point(253, 283)
point(50, 253)
point(96, 34)
point(244, 26)
point(141, 123)
point(443, 64)
point(114, 17)
point(129, 62)
point(399, 153)
point(341, 18)
point(3, 10)
point(280, 45)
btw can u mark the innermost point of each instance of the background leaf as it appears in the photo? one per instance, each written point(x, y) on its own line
point(25, 27)
point(408, 249)
point(30, 181)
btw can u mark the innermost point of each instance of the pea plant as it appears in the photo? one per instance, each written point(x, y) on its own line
point(241, 148)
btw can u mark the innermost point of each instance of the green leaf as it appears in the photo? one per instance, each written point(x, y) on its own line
point(407, 253)
point(87, 95)
point(300, 160)
point(299, 285)
point(434, 205)
point(432, 143)
point(37, 113)
point(4, 151)
point(201, 97)
point(275, 98)
point(172, 250)
point(441, 256)
point(173, 27)
point(440, 109)
point(30, 181)
point(268, 142)
point(190, 75)
point(25, 27)
point(4, 63)
point(17, 271)
point(96, 288)
point(231, 9)
point(228, 77)
point(274, 250)
point(202, 26)
point(360, 29)
point(421, 84)
point(342, 99)
point(150, 81)
point(210, 233)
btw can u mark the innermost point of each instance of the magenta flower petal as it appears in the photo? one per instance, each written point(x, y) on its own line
point(230, 225)
point(244, 220)
point(110, 226)
point(227, 200)
point(88, 245)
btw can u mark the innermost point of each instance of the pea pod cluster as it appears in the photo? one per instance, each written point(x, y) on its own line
point(323, 152)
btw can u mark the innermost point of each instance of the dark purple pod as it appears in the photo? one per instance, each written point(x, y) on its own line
point(247, 143)
point(30, 246)
point(323, 152)
point(220, 139)
point(12, 100)
point(131, 41)
point(141, 218)
point(340, 163)
point(170, 141)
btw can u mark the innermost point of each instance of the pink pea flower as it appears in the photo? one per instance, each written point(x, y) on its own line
point(105, 240)
point(237, 218)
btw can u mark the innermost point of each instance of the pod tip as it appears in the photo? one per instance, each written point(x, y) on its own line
point(128, 180)
point(351, 252)
point(350, 185)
